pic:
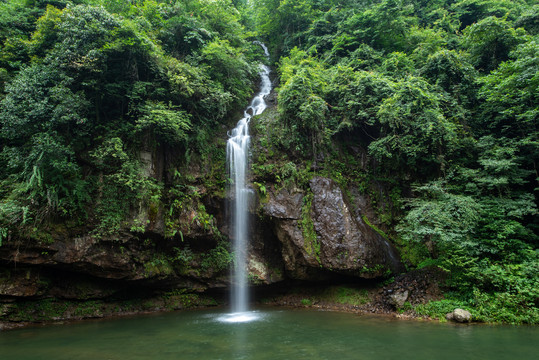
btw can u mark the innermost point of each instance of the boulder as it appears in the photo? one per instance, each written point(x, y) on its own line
point(328, 237)
point(459, 315)
point(399, 298)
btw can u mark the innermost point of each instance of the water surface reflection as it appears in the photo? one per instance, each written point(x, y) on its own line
point(288, 334)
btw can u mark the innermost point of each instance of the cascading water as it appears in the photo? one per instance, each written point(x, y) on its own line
point(237, 161)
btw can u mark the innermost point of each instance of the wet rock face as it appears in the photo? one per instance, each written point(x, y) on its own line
point(314, 235)
point(327, 237)
point(347, 244)
point(85, 267)
point(19, 283)
point(284, 210)
point(285, 205)
point(84, 254)
point(37, 283)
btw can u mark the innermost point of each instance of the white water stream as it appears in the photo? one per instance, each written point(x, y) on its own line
point(237, 150)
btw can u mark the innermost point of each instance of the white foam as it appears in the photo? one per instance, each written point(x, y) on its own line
point(240, 317)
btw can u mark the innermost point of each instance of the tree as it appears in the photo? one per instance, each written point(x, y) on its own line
point(473, 11)
point(490, 41)
point(414, 134)
point(383, 26)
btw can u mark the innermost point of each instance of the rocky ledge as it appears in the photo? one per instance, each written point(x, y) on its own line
point(315, 235)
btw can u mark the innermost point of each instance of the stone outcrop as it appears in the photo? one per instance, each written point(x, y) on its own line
point(83, 255)
point(86, 267)
point(312, 235)
point(320, 235)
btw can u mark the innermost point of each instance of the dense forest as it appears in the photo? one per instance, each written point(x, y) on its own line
point(440, 97)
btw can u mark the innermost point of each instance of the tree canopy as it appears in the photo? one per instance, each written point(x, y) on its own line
point(87, 83)
point(440, 93)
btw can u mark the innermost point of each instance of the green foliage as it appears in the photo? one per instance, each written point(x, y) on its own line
point(187, 213)
point(480, 238)
point(490, 41)
point(300, 105)
point(385, 25)
point(159, 265)
point(414, 130)
point(3, 234)
point(166, 122)
point(39, 100)
point(511, 95)
point(440, 217)
point(46, 34)
point(121, 182)
point(438, 309)
point(355, 97)
point(442, 96)
point(499, 307)
point(311, 243)
point(217, 259)
point(345, 295)
point(448, 70)
point(234, 71)
point(472, 11)
point(100, 81)
point(529, 20)
point(351, 296)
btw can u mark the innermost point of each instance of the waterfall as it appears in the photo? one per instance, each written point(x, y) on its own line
point(237, 162)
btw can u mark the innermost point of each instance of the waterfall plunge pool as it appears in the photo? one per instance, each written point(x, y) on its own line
point(271, 334)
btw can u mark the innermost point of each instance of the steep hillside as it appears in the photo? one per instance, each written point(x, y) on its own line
point(398, 153)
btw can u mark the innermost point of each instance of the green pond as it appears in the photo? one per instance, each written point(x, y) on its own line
point(270, 334)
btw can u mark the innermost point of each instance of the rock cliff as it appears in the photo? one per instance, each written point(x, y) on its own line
point(321, 234)
point(301, 235)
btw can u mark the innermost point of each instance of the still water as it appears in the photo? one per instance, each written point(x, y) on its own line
point(273, 334)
